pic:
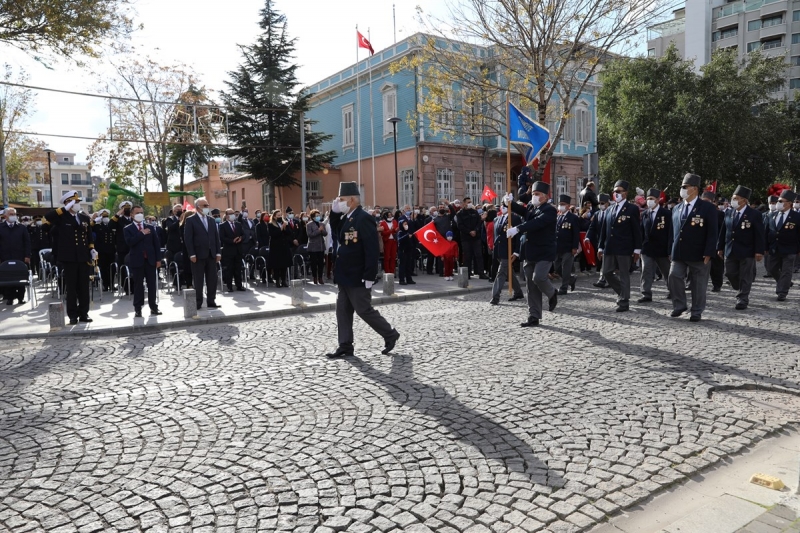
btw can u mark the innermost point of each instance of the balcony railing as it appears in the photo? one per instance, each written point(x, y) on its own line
point(738, 7)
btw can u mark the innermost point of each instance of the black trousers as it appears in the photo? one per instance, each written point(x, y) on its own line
point(139, 275)
point(76, 285)
point(472, 256)
point(104, 261)
point(406, 253)
point(357, 300)
point(232, 268)
point(717, 271)
point(317, 264)
point(204, 272)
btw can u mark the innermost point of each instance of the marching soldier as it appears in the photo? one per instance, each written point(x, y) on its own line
point(769, 217)
point(40, 240)
point(355, 270)
point(568, 235)
point(593, 234)
point(75, 249)
point(105, 242)
point(539, 227)
point(717, 262)
point(784, 238)
point(656, 243)
point(620, 244)
point(742, 244)
point(695, 233)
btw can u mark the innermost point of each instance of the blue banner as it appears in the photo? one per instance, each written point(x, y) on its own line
point(524, 131)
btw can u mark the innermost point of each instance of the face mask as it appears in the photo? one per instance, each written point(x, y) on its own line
point(416, 211)
point(536, 201)
point(480, 211)
point(138, 217)
point(651, 204)
point(217, 220)
point(618, 197)
point(38, 222)
point(797, 205)
point(76, 208)
point(773, 207)
point(126, 212)
point(449, 238)
point(290, 216)
point(343, 207)
point(721, 207)
point(279, 220)
point(206, 211)
point(735, 204)
point(408, 213)
point(317, 219)
point(106, 220)
point(503, 209)
point(258, 216)
point(389, 219)
point(305, 219)
point(602, 207)
point(12, 219)
point(231, 218)
point(178, 214)
point(781, 206)
point(684, 193)
point(244, 214)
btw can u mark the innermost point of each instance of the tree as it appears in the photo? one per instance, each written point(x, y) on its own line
point(542, 54)
point(66, 28)
point(264, 107)
point(15, 104)
point(22, 155)
point(659, 119)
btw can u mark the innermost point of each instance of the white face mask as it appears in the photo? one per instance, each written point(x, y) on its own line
point(12, 219)
point(138, 217)
point(206, 211)
point(602, 207)
point(781, 206)
point(305, 219)
point(618, 197)
point(773, 207)
point(76, 208)
point(449, 238)
point(106, 220)
point(244, 214)
point(651, 204)
point(797, 205)
point(721, 207)
point(389, 219)
point(343, 207)
point(684, 193)
point(562, 209)
point(290, 216)
point(735, 204)
point(38, 222)
point(503, 209)
point(536, 201)
point(232, 218)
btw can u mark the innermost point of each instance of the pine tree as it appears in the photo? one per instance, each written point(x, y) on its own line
point(264, 104)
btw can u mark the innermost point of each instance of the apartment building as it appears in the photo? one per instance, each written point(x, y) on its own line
point(66, 175)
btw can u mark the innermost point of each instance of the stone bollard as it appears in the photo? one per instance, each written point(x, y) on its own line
point(297, 292)
point(189, 303)
point(57, 318)
point(463, 277)
point(388, 284)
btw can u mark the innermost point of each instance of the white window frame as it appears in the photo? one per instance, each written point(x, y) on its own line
point(562, 186)
point(407, 187)
point(348, 127)
point(313, 191)
point(472, 185)
point(389, 98)
point(583, 123)
point(499, 182)
point(444, 184)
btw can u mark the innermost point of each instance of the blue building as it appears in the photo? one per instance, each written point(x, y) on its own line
point(354, 106)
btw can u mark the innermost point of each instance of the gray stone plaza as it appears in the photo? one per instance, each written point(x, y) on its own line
point(472, 425)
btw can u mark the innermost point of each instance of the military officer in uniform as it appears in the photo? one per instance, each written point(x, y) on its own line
point(539, 228)
point(568, 236)
point(40, 240)
point(105, 242)
point(620, 244)
point(784, 238)
point(593, 234)
point(656, 243)
point(742, 243)
point(695, 233)
point(355, 270)
point(75, 251)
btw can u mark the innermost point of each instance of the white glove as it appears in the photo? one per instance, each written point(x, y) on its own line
point(94, 254)
point(369, 284)
point(68, 207)
point(508, 198)
point(512, 231)
point(335, 206)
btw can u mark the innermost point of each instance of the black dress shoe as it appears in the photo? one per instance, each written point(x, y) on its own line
point(572, 283)
point(483, 276)
point(73, 321)
point(645, 299)
point(600, 284)
point(740, 306)
point(84, 319)
point(402, 283)
point(678, 312)
point(411, 282)
point(494, 301)
point(230, 288)
point(213, 306)
point(341, 351)
point(516, 297)
point(694, 318)
point(622, 307)
point(716, 289)
point(532, 322)
point(10, 302)
point(155, 312)
point(553, 301)
point(137, 313)
point(391, 341)
point(241, 289)
point(562, 291)
point(781, 297)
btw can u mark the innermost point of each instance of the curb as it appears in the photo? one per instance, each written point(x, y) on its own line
point(259, 315)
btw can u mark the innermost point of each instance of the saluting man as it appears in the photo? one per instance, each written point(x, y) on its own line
point(75, 245)
point(695, 233)
point(355, 270)
point(620, 243)
point(742, 243)
point(656, 243)
point(784, 243)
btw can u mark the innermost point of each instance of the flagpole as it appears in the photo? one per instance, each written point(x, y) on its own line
point(358, 117)
point(372, 123)
point(509, 219)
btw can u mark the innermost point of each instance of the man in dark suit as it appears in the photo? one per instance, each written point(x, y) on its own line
point(695, 234)
point(500, 252)
point(231, 235)
point(717, 274)
point(201, 236)
point(40, 240)
point(105, 241)
point(15, 245)
point(620, 244)
point(568, 235)
point(539, 229)
point(355, 270)
point(656, 243)
point(143, 260)
point(784, 239)
point(248, 244)
point(74, 247)
point(588, 194)
point(742, 242)
point(593, 234)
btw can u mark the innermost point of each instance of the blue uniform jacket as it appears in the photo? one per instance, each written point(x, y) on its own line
point(696, 237)
point(785, 240)
point(357, 256)
point(568, 233)
point(539, 227)
point(657, 234)
point(621, 233)
point(746, 238)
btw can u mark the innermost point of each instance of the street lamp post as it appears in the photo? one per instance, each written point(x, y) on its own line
point(49, 153)
point(394, 121)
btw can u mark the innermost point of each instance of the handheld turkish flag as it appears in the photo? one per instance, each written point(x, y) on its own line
point(364, 43)
point(433, 240)
point(712, 187)
point(488, 193)
point(588, 249)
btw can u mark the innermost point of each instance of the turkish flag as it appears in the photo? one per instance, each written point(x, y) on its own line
point(364, 43)
point(433, 240)
point(547, 167)
point(488, 193)
point(187, 206)
point(588, 249)
point(712, 187)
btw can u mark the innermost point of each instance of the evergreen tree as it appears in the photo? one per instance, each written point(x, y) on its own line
point(264, 104)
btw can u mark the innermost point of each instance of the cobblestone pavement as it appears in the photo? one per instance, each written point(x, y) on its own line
point(474, 425)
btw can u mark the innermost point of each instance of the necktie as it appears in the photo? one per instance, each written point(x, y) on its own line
point(205, 221)
point(736, 216)
point(780, 221)
point(685, 212)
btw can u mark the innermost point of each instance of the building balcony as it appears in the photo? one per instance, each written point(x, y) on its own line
point(665, 29)
point(728, 10)
point(771, 7)
point(773, 31)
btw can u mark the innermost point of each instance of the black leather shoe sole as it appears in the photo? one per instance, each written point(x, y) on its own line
point(84, 319)
point(678, 312)
point(390, 343)
point(644, 299)
point(694, 318)
point(740, 307)
point(494, 301)
point(532, 322)
point(553, 302)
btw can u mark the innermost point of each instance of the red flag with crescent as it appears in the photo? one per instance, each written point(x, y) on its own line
point(488, 193)
point(588, 249)
point(364, 43)
point(433, 240)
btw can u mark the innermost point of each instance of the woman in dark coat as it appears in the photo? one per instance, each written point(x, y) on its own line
point(280, 243)
point(316, 245)
point(262, 238)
